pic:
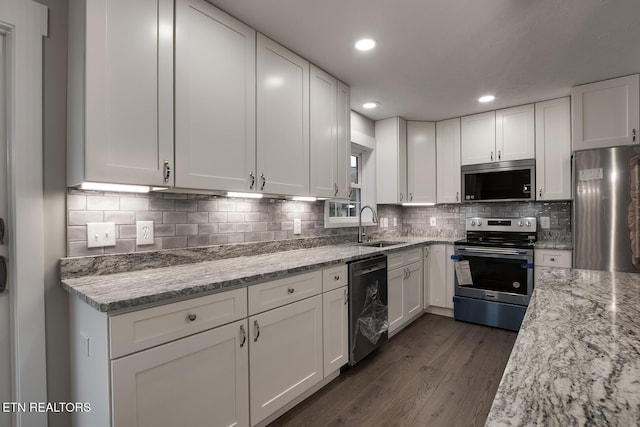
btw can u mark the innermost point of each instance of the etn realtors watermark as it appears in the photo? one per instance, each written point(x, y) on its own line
point(53, 407)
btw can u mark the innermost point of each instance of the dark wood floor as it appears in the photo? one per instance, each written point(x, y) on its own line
point(436, 372)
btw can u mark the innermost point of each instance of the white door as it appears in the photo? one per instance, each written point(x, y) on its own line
point(413, 291)
point(421, 162)
point(448, 161)
point(395, 298)
point(450, 279)
point(323, 138)
point(215, 143)
point(335, 319)
point(478, 138)
point(437, 276)
point(344, 141)
point(5, 332)
point(286, 355)
point(515, 133)
point(201, 380)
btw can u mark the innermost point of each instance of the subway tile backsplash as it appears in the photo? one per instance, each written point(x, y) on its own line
point(191, 220)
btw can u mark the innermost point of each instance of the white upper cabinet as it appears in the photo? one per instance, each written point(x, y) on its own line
point(515, 133)
point(478, 138)
point(605, 114)
point(120, 92)
point(282, 120)
point(323, 135)
point(391, 160)
point(448, 161)
point(421, 162)
point(344, 141)
point(215, 145)
point(553, 149)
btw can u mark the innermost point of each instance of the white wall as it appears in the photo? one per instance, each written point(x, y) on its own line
point(362, 124)
point(54, 151)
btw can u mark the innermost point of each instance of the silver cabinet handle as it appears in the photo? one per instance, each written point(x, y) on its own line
point(492, 156)
point(346, 296)
point(291, 290)
point(191, 317)
point(243, 334)
point(540, 193)
point(336, 277)
point(499, 155)
point(350, 191)
point(457, 196)
point(335, 189)
point(256, 329)
point(633, 132)
point(264, 181)
point(552, 259)
point(252, 180)
point(401, 196)
point(3, 274)
point(167, 171)
point(411, 197)
point(1, 231)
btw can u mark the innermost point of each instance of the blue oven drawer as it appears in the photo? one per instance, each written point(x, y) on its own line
point(489, 313)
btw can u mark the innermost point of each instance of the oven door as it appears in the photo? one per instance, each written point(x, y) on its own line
point(498, 274)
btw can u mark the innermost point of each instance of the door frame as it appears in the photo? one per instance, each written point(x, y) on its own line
point(24, 24)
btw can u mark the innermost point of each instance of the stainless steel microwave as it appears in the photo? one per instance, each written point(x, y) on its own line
point(499, 181)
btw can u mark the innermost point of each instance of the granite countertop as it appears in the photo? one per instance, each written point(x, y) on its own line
point(566, 246)
point(576, 360)
point(126, 290)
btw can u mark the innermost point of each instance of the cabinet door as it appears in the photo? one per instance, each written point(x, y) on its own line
point(448, 161)
point(553, 150)
point(344, 141)
point(450, 279)
point(478, 138)
point(391, 160)
point(421, 162)
point(605, 114)
point(215, 99)
point(515, 133)
point(413, 290)
point(395, 298)
point(335, 321)
point(129, 91)
point(282, 120)
point(286, 355)
point(437, 276)
point(199, 380)
point(323, 138)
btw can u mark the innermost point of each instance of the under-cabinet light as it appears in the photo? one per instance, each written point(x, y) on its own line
point(418, 204)
point(102, 186)
point(244, 195)
point(304, 199)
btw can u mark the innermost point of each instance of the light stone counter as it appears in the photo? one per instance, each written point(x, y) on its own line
point(576, 360)
point(125, 290)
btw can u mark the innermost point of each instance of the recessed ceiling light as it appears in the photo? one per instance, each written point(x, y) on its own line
point(486, 98)
point(371, 104)
point(365, 44)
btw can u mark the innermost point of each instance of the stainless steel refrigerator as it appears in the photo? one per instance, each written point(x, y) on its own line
point(606, 226)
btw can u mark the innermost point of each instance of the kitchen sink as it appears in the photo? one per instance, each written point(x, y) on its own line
point(380, 243)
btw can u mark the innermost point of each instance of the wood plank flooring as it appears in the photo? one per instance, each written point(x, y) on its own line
point(436, 372)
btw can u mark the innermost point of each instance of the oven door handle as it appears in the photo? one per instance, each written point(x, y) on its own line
point(493, 251)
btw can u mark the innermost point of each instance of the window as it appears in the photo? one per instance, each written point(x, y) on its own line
point(344, 213)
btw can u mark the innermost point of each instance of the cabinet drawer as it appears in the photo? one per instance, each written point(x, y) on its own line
point(266, 296)
point(334, 277)
point(395, 260)
point(413, 255)
point(142, 329)
point(552, 258)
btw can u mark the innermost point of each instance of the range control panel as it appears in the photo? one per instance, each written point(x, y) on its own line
point(501, 224)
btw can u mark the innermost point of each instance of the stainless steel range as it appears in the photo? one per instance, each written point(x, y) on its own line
point(494, 271)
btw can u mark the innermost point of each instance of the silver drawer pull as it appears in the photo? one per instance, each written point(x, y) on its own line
point(336, 278)
point(191, 317)
point(244, 336)
point(256, 328)
point(552, 259)
point(291, 290)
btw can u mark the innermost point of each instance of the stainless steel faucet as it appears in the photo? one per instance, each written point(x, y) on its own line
point(360, 229)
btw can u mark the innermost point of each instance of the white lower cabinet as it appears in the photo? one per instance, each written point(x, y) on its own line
point(404, 288)
point(286, 355)
point(196, 381)
point(335, 329)
point(439, 280)
point(559, 258)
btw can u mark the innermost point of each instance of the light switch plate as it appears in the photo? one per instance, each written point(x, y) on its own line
point(297, 226)
point(432, 221)
point(545, 222)
point(101, 234)
point(144, 233)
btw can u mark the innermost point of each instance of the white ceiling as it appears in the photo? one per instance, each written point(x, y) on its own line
point(436, 57)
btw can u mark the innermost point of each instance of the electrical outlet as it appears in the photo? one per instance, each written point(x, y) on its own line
point(297, 226)
point(101, 234)
point(144, 233)
point(432, 221)
point(545, 222)
point(395, 221)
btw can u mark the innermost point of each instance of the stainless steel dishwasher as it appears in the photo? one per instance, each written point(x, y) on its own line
point(368, 314)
